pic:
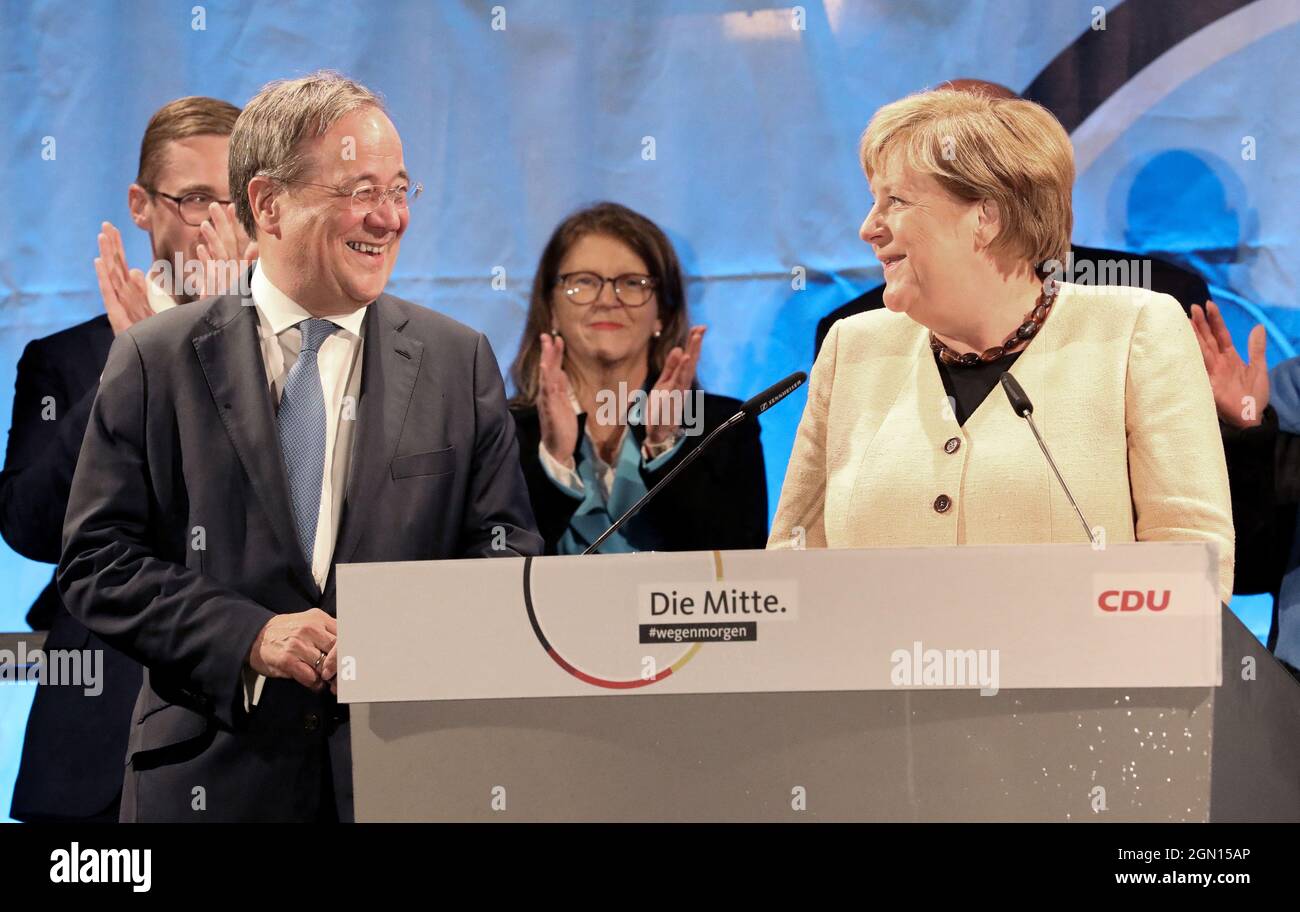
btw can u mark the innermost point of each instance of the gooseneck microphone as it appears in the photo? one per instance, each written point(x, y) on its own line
point(755, 406)
point(1025, 409)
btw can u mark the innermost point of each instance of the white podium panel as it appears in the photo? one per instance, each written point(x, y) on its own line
point(814, 685)
point(987, 618)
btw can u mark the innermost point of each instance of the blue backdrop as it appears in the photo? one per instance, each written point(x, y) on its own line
point(733, 125)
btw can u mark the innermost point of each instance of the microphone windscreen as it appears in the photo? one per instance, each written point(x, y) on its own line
point(1016, 395)
point(774, 394)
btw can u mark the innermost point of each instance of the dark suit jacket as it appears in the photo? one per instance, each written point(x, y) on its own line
point(183, 435)
point(1166, 278)
point(73, 751)
point(719, 501)
point(1264, 474)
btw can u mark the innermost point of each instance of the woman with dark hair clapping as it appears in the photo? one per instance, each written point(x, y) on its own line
point(606, 401)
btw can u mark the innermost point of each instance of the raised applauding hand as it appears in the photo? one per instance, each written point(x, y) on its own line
point(125, 294)
point(223, 240)
point(1240, 387)
point(558, 421)
point(225, 254)
point(663, 418)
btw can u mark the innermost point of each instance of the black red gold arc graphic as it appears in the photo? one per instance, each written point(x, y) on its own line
point(627, 684)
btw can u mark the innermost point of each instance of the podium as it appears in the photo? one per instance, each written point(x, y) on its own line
point(990, 683)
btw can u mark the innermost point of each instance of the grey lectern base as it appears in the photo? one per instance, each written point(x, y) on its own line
point(1228, 753)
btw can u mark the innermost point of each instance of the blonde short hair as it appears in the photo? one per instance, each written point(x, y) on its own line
point(270, 136)
point(979, 147)
point(194, 115)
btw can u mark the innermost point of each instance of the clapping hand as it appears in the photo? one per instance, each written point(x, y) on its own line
point(1240, 387)
point(223, 239)
point(663, 419)
point(559, 423)
point(124, 292)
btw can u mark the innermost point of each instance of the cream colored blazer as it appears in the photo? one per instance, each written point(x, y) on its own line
point(1120, 396)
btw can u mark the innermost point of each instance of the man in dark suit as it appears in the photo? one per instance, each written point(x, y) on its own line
point(74, 749)
point(240, 448)
point(1259, 415)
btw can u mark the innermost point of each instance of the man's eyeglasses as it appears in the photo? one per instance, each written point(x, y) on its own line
point(193, 207)
point(369, 197)
point(583, 288)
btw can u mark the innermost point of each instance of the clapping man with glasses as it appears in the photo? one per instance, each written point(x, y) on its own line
point(243, 447)
point(71, 765)
point(181, 198)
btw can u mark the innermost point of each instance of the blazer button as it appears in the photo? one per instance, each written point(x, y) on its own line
point(952, 445)
point(942, 503)
point(310, 722)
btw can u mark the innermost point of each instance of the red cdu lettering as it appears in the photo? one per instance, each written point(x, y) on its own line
point(1113, 600)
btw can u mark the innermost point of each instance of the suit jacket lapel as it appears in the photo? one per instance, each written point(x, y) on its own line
point(232, 362)
point(389, 366)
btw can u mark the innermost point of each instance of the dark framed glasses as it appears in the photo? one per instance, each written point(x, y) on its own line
point(582, 288)
point(193, 207)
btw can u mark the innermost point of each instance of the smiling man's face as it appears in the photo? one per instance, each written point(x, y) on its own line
point(330, 258)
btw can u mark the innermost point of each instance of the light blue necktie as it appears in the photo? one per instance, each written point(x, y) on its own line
point(302, 431)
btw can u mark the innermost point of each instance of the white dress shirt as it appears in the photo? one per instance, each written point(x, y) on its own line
point(339, 362)
point(159, 300)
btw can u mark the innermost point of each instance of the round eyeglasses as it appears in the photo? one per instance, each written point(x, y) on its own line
point(193, 207)
point(631, 289)
point(369, 197)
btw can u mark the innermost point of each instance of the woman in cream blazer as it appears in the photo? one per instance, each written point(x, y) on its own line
point(1120, 393)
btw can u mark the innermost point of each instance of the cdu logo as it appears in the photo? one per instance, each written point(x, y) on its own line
point(1116, 600)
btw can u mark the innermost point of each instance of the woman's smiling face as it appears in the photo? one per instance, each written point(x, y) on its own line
point(924, 237)
point(605, 331)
